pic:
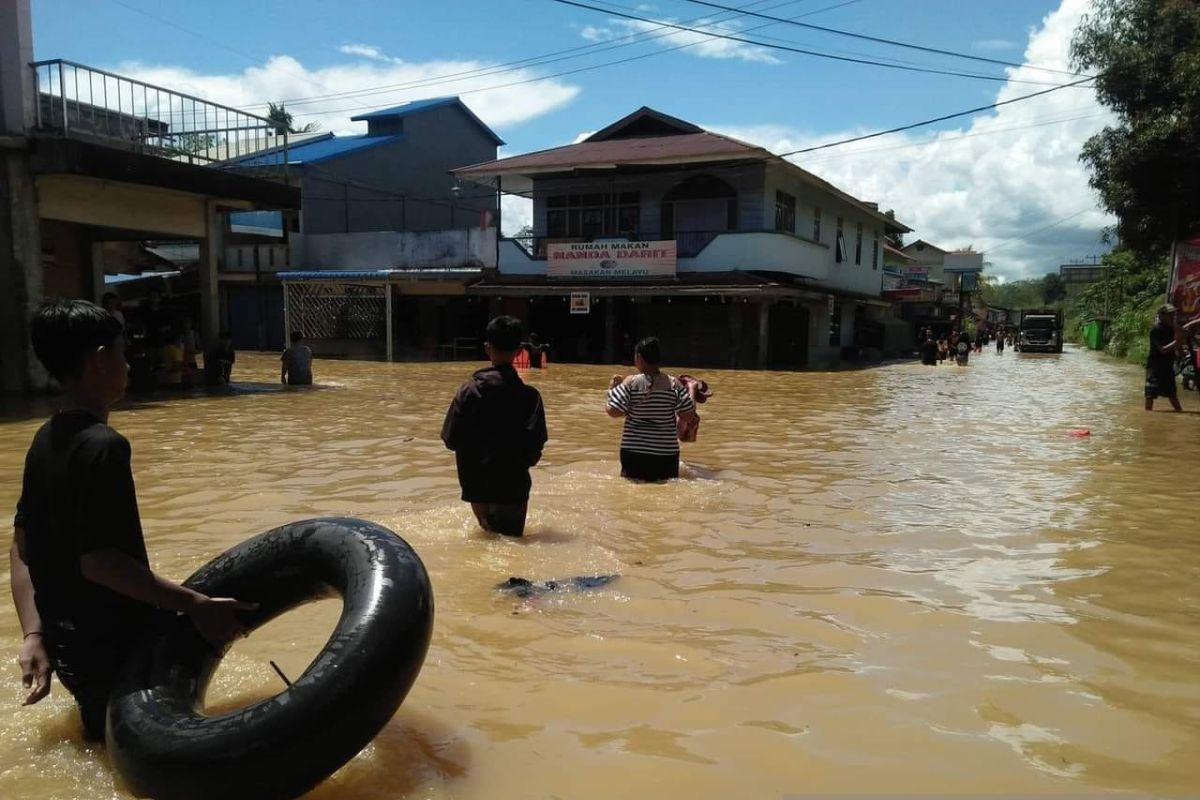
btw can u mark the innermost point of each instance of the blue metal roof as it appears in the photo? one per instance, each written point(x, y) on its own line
point(407, 108)
point(397, 112)
point(316, 150)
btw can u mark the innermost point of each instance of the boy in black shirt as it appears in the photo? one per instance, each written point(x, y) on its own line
point(81, 580)
point(1160, 362)
point(496, 427)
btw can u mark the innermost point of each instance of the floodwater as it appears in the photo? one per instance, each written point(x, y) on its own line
point(896, 580)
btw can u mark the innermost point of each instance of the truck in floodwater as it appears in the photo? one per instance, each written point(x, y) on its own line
point(1041, 331)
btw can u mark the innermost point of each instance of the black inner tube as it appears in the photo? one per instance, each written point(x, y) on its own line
point(164, 746)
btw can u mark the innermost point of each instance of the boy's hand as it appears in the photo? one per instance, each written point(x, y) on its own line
point(35, 668)
point(616, 381)
point(214, 618)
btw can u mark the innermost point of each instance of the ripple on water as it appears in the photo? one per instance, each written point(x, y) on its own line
point(897, 579)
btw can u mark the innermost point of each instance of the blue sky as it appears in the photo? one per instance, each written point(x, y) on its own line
point(249, 52)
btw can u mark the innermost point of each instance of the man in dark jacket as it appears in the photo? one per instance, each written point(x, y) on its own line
point(1160, 361)
point(496, 426)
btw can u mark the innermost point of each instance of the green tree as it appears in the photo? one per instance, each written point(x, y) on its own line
point(1053, 289)
point(284, 123)
point(1146, 56)
point(1013, 294)
point(1127, 296)
point(193, 143)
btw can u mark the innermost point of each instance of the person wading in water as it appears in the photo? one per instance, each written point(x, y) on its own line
point(650, 402)
point(496, 426)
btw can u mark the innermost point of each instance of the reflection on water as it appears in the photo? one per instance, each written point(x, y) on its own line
point(903, 579)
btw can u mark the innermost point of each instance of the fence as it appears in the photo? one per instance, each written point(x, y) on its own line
point(339, 310)
point(74, 100)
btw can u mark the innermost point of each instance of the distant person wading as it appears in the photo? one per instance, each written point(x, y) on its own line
point(650, 402)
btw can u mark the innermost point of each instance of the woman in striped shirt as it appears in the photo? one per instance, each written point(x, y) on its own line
point(649, 402)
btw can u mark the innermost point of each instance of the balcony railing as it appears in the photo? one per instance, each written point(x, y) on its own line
point(82, 101)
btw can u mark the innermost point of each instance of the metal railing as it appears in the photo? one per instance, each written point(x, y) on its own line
point(78, 100)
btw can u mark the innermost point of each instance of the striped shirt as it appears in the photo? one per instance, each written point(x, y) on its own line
point(650, 406)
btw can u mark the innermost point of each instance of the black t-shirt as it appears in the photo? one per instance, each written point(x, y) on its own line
point(496, 422)
point(1160, 336)
point(77, 497)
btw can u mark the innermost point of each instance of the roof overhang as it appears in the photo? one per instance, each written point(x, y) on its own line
point(520, 180)
point(58, 155)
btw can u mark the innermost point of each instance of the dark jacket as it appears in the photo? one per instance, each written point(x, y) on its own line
point(496, 420)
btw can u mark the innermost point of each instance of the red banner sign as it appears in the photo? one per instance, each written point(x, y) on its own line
point(1185, 280)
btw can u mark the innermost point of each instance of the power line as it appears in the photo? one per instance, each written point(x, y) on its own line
point(880, 40)
point(960, 137)
point(525, 63)
point(936, 120)
point(576, 71)
point(800, 50)
point(1027, 236)
point(639, 57)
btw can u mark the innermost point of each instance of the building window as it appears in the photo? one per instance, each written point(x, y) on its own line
point(785, 212)
point(840, 244)
point(875, 249)
point(592, 215)
point(858, 245)
point(816, 223)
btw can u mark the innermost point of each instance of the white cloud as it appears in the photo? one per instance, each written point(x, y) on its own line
point(697, 44)
point(516, 212)
point(995, 44)
point(284, 77)
point(1000, 181)
point(365, 50)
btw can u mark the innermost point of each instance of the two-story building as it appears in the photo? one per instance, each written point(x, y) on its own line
point(655, 226)
point(380, 200)
point(394, 177)
point(89, 158)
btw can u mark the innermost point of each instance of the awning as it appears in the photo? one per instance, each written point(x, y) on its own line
point(376, 275)
point(736, 283)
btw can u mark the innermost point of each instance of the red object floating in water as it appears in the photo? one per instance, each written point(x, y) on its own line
point(1079, 433)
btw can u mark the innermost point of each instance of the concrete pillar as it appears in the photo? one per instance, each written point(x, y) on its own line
point(211, 253)
point(610, 330)
point(20, 273)
point(764, 332)
point(17, 97)
point(387, 287)
point(848, 308)
point(20, 236)
point(735, 331)
point(96, 266)
point(818, 335)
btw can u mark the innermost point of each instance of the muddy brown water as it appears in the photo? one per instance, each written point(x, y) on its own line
point(901, 579)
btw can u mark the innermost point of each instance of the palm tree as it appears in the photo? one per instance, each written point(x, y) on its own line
point(283, 121)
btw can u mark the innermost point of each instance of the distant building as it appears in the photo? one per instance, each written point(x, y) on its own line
point(930, 281)
point(1076, 275)
point(382, 200)
point(86, 169)
point(396, 176)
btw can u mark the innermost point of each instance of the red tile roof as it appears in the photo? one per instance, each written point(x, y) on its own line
point(703, 146)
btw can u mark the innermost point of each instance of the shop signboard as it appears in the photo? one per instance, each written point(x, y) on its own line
point(611, 260)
